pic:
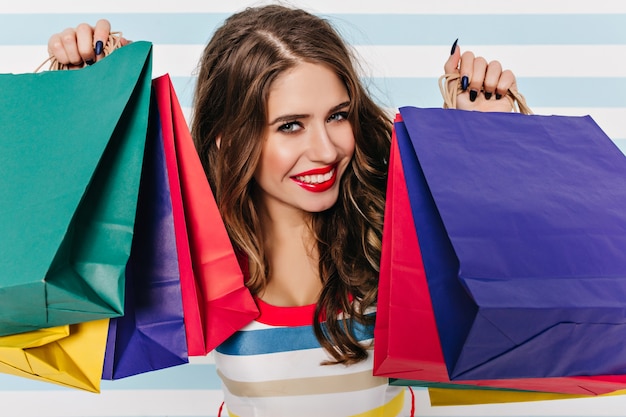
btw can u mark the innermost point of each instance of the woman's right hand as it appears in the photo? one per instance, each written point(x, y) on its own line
point(80, 46)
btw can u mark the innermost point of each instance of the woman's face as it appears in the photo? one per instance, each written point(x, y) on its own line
point(308, 141)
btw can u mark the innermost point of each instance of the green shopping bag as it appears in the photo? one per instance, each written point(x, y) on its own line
point(71, 151)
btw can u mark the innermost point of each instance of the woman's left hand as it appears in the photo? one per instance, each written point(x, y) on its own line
point(486, 83)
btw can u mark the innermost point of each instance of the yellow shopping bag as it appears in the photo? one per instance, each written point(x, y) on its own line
point(70, 355)
point(450, 396)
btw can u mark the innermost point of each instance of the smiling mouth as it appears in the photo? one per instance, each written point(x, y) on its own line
point(316, 178)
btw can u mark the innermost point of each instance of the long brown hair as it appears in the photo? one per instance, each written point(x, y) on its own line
point(238, 65)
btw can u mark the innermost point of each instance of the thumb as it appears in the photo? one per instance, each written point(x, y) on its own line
point(452, 64)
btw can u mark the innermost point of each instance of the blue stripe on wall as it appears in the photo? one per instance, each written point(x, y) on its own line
point(527, 29)
point(193, 377)
point(369, 29)
point(539, 92)
point(176, 378)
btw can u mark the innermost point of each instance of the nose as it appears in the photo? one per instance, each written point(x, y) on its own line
point(321, 146)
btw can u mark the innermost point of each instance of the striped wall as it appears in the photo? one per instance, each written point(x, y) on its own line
point(569, 56)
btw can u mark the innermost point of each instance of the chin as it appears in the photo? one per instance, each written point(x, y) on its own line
point(321, 206)
point(321, 209)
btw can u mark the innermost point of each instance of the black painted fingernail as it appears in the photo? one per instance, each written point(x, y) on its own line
point(488, 95)
point(454, 46)
point(473, 95)
point(99, 46)
point(90, 62)
point(464, 82)
point(498, 96)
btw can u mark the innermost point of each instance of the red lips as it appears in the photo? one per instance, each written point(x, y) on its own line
point(317, 180)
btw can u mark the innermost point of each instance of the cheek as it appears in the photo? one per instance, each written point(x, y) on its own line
point(275, 160)
point(348, 142)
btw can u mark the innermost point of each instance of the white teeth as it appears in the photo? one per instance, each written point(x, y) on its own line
point(316, 179)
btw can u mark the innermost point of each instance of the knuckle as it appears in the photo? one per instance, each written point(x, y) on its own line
point(495, 68)
point(480, 60)
point(83, 27)
point(55, 42)
point(68, 37)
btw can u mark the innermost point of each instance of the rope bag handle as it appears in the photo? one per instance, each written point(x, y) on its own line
point(113, 42)
point(450, 87)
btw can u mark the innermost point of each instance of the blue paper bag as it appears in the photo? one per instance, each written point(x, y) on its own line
point(522, 228)
point(151, 334)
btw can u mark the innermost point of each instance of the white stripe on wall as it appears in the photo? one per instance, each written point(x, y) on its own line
point(205, 403)
point(559, 61)
point(526, 61)
point(145, 403)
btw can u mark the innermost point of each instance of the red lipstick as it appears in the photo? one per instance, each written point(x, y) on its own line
point(314, 184)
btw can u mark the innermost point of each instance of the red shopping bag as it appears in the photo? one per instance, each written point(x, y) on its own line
point(407, 346)
point(397, 340)
point(216, 302)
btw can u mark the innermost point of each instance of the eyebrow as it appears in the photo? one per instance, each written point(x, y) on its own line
point(290, 117)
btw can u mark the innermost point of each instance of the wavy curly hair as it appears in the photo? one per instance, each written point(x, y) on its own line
point(238, 65)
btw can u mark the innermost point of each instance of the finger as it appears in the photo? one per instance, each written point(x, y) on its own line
point(492, 77)
point(56, 49)
point(466, 69)
point(70, 46)
point(84, 40)
point(452, 64)
point(507, 82)
point(100, 37)
point(478, 77)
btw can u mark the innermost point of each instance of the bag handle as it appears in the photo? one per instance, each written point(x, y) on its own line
point(449, 94)
point(113, 42)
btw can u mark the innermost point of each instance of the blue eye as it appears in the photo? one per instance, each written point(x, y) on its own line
point(290, 127)
point(342, 115)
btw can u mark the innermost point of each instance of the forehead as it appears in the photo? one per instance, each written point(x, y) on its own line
point(306, 88)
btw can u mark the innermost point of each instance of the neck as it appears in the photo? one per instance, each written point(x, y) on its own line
point(293, 259)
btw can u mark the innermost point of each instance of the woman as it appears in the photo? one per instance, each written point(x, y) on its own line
point(295, 151)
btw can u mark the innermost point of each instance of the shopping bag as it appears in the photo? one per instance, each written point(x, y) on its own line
point(216, 302)
point(151, 334)
point(407, 347)
point(520, 225)
point(441, 397)
point(69, 175)
point(70, 355)
point(405, 332)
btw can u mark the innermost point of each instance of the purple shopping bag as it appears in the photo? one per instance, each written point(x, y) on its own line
point(522, 229)
point(151, 334)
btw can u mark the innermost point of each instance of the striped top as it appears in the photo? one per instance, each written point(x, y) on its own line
point(272, 367)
